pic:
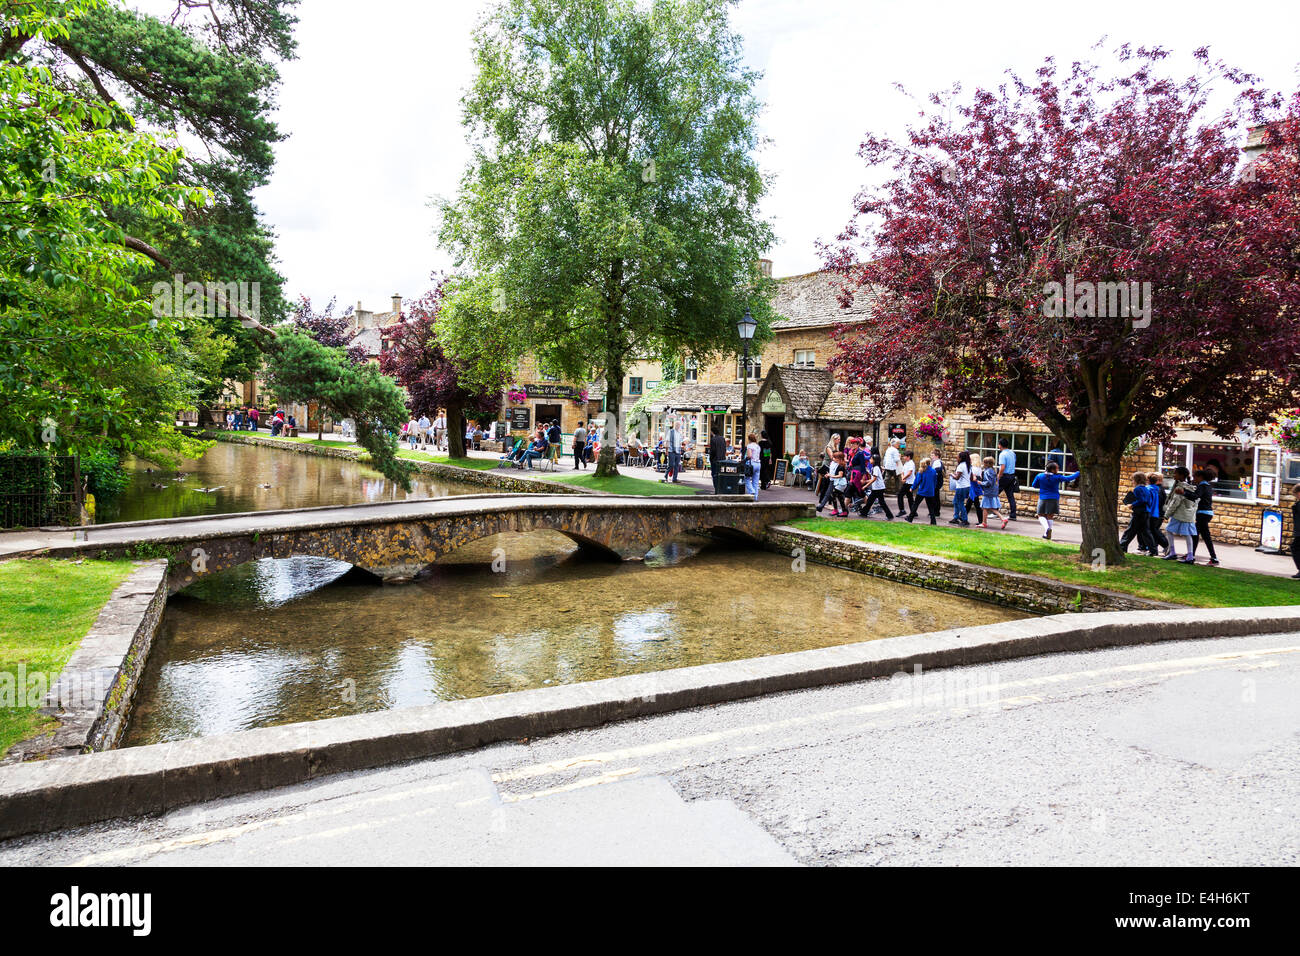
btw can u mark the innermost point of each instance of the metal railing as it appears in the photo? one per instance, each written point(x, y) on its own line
point(38, 490)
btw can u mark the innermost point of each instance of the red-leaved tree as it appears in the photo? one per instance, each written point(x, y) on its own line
point(433, 380)
point(1011, 229)
point(327, 328)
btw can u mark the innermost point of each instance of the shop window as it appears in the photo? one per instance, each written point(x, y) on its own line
point(1033, 451)
point(1246, 474)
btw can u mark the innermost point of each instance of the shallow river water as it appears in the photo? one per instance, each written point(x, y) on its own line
point(269, 643)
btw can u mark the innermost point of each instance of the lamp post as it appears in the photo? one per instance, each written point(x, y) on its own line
point(745, 327)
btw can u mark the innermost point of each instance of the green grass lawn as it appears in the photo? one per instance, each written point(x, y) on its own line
point(46, 608)
point(623, 485)
point(1152, 578)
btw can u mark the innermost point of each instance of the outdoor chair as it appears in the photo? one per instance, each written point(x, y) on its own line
point(507, 460)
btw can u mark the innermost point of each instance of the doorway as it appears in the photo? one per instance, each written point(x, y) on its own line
point(547, 414)
point(774, 425)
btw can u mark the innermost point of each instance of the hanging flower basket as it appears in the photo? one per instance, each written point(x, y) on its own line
point(516, 395)
point(931, 427)
point(580, 397)
point(1287, 428)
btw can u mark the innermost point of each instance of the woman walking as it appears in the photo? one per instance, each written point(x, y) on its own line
point(1180, 509)
point(990, 495)
point(1204, 514)
point(753, 466)
point(832, 449)
point(961, 490)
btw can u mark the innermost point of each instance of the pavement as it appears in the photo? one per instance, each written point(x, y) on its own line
point(1183, 753)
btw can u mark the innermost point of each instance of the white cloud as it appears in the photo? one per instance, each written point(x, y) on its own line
point(372, 106)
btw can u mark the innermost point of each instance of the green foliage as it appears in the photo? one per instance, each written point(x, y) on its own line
point(611, 205)
point(103, 473)
point(300, 369)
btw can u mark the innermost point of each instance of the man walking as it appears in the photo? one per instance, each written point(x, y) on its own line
point(674, 448)
point(718, 452)
point(423, 426)
point(1007, 480)
point(580, 445)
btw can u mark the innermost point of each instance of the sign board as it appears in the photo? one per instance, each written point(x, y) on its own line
point(1270, 532)
point(778, 471)
point(550, 391)
point(897, 430)
point(520, 418)
point(715, 409)
point(774, 403)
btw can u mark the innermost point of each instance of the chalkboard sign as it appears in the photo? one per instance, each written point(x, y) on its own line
point(520, 418)
point(779, 474)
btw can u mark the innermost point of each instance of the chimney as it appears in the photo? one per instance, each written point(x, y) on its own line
point(397, 305)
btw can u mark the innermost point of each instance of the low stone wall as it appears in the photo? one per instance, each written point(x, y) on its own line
point(1023, 592)
point(92, 696)
point(498, 480)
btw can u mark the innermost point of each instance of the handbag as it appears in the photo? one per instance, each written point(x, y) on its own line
point(749, 468)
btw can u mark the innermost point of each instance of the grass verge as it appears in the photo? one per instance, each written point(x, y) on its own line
point(623, 485)
point(46, 608)
point(1197, 586)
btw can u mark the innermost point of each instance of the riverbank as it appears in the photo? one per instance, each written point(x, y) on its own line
point(480, 469)
point(46, 608)
point(1148, 578)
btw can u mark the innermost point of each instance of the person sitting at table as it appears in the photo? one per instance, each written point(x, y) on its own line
point(802, 466)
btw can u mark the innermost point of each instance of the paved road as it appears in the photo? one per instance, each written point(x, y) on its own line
point(1184, 753)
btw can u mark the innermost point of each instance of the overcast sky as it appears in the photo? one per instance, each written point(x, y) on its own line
point(372, 109)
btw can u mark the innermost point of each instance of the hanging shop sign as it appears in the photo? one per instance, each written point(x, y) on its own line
point(550, 391)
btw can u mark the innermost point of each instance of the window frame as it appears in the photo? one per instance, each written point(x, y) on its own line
point(1031, 450)
point(811, 361)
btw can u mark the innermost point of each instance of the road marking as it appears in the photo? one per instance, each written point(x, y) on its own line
point(1140, 673)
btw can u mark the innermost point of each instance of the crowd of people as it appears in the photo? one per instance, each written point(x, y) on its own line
point(421, 433)
point(856, 479)
point(248, 418)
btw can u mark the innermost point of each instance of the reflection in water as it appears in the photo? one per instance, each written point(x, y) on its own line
point(233, 478)
point(274, 642)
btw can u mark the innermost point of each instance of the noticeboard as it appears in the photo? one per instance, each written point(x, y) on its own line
point(520, 418)
point(778, 470)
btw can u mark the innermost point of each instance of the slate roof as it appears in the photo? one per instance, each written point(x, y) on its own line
point(804, 388)
point(812, 300)
point(849, 403)
point(695, 395)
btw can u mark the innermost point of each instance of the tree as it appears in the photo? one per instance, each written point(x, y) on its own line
point(300, 369)
point(1118, 192)
point(78, 346)
point(327, 328)
point(205, 75)
point(431, 378)
point(611, 205)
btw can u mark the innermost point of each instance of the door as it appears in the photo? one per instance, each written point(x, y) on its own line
point(547, 414)
point(774, 425)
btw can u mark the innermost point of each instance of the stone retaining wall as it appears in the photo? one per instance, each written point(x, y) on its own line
point(93, 693)
point(1023, 592)
point(500, 480)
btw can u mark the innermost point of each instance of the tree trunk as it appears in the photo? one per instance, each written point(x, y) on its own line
point(606, 465)
point(1098, 490)
point(455, 432)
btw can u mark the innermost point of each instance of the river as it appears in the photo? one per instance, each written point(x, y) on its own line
point(278, 641)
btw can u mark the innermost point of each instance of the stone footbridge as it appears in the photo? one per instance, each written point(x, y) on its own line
point(395, 540)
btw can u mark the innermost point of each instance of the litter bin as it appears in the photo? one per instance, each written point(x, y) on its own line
point(731, 481)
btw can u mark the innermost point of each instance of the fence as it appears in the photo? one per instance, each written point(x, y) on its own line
point(37, 490)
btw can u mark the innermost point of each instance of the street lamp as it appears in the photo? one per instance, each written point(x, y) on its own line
point(745, 327)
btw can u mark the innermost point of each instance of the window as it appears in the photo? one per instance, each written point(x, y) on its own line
point(634, 386)
point(1240, 469)
point(692, 370)
point(1033, 451)
point(805, 358)
point(755, 369)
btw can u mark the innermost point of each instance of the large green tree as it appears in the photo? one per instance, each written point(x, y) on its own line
point(611, 205)
point(204, 76)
